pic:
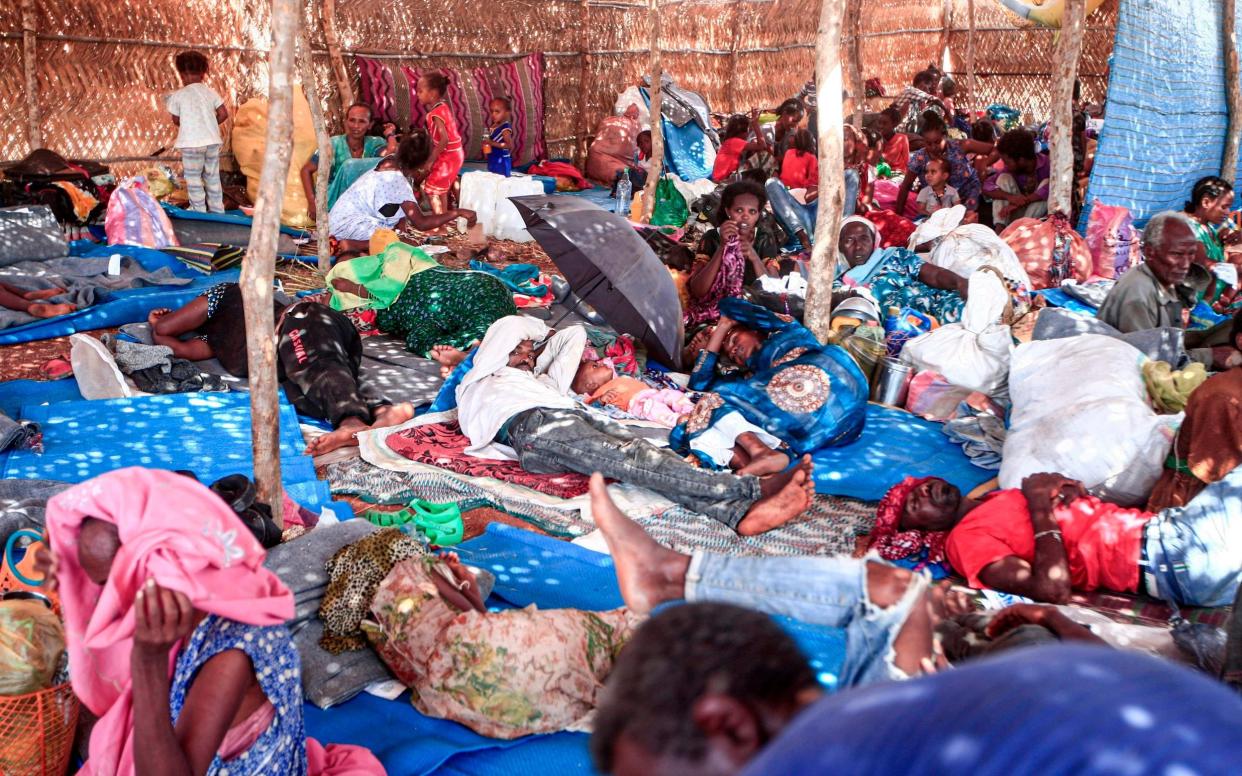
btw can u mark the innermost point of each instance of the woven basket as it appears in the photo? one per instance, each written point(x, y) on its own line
point(36, 732)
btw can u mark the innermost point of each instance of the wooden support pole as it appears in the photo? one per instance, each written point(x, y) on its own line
point(30, 54)
point(311, 88)
point(260, 264)
point(831, 120)
point(1233, 91)
point(584, 83)
point(731, 84)
point(1060, 144)
point(971, 85)
point(857, 81)
point(657, 128)
point(332, 42)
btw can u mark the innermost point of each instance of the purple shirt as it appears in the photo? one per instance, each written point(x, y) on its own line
point(1026, 181)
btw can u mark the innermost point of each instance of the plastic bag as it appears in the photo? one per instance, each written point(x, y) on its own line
point(135, 218)
point(975, 352)
point(968, 247)
point(1050, 251)
point(32, 641)
point(670, 206)
point(1113, 240)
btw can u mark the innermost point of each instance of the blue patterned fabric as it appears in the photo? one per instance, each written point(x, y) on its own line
point(1167, 114)
point(807, 394)
point(281, 749)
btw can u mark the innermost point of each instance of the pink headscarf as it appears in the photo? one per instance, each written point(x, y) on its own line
point(172, 530)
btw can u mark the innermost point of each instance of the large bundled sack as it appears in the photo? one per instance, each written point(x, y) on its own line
point(613, 149)
point(975, 352)
point(30, 233)
point(1113, 239)
point(968, 247)
point(250, 140)
point(487, 194)
point(1080, 408)
point(1050, 251)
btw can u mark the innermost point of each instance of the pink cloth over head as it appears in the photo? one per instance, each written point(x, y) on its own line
point(890, 541)
point(173, 530)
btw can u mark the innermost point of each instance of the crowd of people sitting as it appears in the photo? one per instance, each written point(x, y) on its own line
point(182, 624)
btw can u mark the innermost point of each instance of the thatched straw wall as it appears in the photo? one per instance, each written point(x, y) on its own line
point(102, 67)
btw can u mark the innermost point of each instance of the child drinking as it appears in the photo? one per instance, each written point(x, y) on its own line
point(447, 153)
point(499, 145)
point(198, 112)
point(937, 194)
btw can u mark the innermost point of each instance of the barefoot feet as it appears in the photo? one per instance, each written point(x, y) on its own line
point(154, 316)
point(43, 293)
point(40, 310)
point(648, 573)
point(345, 436)
point(785, 496)
point(393, 414)
point(766, 463)
point(448, 357)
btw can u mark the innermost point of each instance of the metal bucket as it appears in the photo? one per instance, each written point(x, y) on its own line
point(892, 382)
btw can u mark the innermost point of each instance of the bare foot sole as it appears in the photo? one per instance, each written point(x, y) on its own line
point(448, 357)
point(647, 572)
point(776, 509)
point(393, 414)
point(764, 464)
point(44, 293)
point(345, 436)
point(154, 316)
point(50, 310)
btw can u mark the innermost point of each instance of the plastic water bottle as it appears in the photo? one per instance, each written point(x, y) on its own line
point(625, 192)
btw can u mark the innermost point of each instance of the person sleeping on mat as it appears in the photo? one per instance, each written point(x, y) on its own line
point(34, 302)
point(319, 358)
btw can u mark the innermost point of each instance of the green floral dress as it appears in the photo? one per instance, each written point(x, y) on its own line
point(897, 284)
point(442, 306)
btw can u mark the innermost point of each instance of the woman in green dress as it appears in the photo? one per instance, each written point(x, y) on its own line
point(1208, 208)
point(414, 298)
point(353, 154)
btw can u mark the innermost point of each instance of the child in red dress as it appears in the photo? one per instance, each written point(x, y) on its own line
point(447, 153)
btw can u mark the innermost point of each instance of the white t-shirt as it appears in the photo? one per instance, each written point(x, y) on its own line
point(929, 203)
point(195, 105)
point(356, 215)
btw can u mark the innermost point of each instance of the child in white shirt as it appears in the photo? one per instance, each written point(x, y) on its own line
point(937, 194)
point(198, 113)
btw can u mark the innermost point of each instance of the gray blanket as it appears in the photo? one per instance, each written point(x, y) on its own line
point(23, 504)
point(1159, 344)
point(85, 281)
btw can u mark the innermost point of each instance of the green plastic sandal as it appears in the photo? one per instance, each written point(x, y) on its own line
point(440, 523)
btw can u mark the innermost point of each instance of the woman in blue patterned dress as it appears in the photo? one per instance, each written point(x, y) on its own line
point(806, 394)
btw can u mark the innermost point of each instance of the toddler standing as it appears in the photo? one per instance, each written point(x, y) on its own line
point(198, 113)
point(499, 144)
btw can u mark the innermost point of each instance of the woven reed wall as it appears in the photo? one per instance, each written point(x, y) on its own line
point(103, 68)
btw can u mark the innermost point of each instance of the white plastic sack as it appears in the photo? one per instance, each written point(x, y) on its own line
point(1080, 409)
point(937, 225)
point(971, 246)
point(487, 194)
point(975, 352)
point(633, 96)
point(96, 371)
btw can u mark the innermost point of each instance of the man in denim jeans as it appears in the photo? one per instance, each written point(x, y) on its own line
point(514, 403)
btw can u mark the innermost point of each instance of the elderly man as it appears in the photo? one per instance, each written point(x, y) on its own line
point(514, 403)
point(1160, 292)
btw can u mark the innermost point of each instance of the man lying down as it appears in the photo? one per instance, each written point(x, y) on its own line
point(515, 404)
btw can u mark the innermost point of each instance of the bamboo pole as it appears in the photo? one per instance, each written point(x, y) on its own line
point(1229, 165)
point(731, 85)
point(260, 264)
point(1060, 145)
point(584, 75)
point(311, 89)
point(972, 95)
point(30, 53)
point(657, 129)
point(857, 81)
point(333, 43)
point(831, 120)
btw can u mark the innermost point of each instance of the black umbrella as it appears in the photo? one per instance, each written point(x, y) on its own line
point(611, 268)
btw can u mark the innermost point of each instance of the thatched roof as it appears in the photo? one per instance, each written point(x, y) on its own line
point(102, 67)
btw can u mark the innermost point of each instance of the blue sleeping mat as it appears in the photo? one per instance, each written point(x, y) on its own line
point(894, 444)
point(1058, 298)
point(15, 394)
point(529, 569)
point(235, 217)
point(121, 307)
point(206, 433)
